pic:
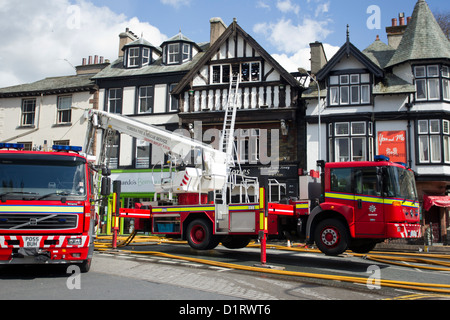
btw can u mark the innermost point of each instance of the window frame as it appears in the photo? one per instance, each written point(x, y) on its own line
point(63, 113)
point(133, 59)
point(349, 89)
point(28, 116)
point(433, 141)
point(222, 73)
point(117, 99)
point(432, 82)
point(149, 98)
point(344, 140)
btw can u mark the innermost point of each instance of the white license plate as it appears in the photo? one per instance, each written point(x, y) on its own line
point(31, 242)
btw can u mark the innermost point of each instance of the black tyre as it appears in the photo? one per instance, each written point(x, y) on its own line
point(86, 265)
point(235, 242)
point(331, 237)
point(200, 235)
point(364, 247)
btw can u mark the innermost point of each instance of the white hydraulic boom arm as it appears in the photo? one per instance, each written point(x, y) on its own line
point(212, 167)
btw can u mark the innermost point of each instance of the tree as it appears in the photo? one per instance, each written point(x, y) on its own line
point(443, 19)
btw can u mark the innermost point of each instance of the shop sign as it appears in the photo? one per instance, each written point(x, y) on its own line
point(393, 145)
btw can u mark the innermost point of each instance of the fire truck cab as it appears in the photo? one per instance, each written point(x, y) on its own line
point(47, 210)
point(363, 203)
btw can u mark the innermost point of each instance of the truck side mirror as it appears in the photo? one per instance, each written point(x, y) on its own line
point(106, 186)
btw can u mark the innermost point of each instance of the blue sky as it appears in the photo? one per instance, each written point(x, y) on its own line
point(59, 33)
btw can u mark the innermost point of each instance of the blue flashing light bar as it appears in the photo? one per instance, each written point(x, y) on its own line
point(18, 146)
point(67, 148)
point(381, 158)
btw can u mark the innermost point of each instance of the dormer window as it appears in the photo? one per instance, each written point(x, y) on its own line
point(186, 52)
point(133, 57)
point(178, 50)
point(145, 56)
point(173, 54)
point(140, 53)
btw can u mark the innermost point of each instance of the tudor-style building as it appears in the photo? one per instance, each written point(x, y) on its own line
point(392, 100)
point(268, 105)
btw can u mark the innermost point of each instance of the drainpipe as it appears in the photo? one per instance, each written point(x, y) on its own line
point(408, 113)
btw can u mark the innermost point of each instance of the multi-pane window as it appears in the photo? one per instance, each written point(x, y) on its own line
point(247, 145)
point(432, 83)
point(446, 82)
point(146, 99)
point(28, 112)
point(173, 53)
point(249, 71)
point(143, 150)
point(173, 101)
point(113, 151)
point(350, 141)
point(145, 56)
point(64, 109)
point(349, 89)
point(133, 57)
point(433, 141)
point(115, 100)
point(186, 52)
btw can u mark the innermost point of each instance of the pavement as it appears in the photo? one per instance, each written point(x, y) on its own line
point(435, 248)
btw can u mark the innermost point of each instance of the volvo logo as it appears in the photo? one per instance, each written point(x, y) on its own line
point(33, 222)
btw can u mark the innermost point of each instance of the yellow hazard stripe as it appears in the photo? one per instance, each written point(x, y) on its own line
point(41, 209)
point(302, 206)
point(182, 209)
point(351, 197)
point(206, 208)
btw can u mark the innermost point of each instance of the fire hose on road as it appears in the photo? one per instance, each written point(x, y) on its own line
point(417, 258)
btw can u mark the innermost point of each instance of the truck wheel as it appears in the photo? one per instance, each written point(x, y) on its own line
point(86, 265)
point(331, 237)
point(200, 235)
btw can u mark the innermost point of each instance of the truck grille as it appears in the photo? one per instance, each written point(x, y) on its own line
point(37, 222)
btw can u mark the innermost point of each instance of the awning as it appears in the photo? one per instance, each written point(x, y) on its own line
point(439, 201)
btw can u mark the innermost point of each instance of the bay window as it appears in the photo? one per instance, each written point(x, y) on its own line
point(429, 79)
point(433, 141)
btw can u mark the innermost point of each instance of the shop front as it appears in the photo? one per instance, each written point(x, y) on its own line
point(137, 186)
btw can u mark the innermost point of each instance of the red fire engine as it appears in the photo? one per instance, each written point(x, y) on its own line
point(46, 211)
point(358, 204)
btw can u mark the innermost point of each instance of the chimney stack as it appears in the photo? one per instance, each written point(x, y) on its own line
point(318, 57)
point(125, 38)
point(217, 28)
point(92, 68)
point(396, 31)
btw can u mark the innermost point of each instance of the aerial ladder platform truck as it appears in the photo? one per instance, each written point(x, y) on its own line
point(200, 198)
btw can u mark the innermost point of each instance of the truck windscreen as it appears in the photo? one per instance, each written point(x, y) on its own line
point(400, 183)
point(40, 179)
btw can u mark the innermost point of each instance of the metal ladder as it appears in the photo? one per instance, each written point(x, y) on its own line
point(226, 143)
point(227, 138)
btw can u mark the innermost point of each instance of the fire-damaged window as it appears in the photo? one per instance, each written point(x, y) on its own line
point(249, 71)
